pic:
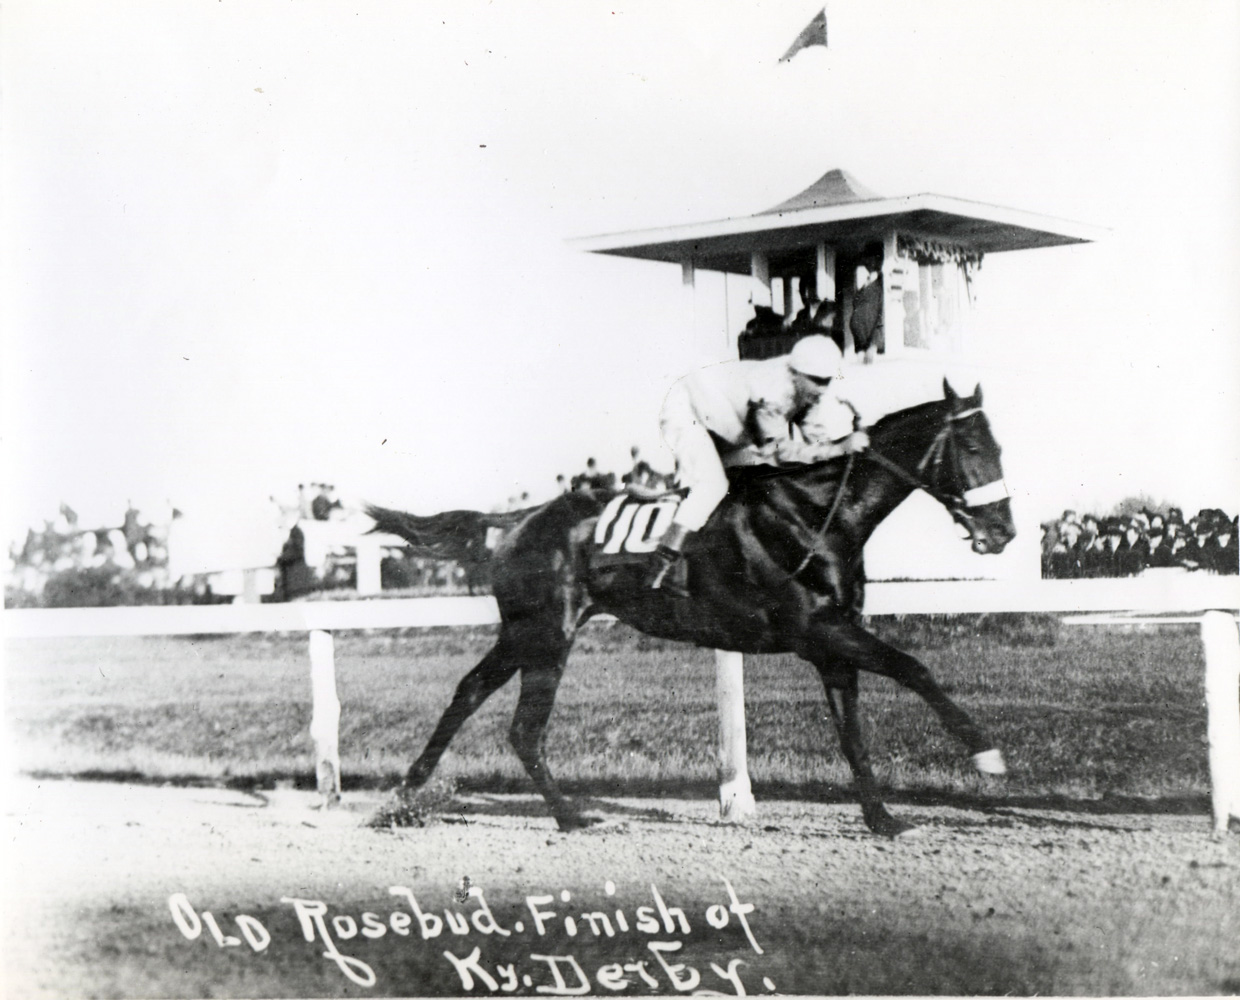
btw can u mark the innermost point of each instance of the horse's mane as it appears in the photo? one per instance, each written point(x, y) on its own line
point(884, 424)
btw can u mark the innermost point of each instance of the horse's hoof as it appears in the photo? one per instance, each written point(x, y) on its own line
point(575, 821)
point(887, 825)
point(989, 762)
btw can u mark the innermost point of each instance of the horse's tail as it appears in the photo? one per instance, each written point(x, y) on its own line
point(457, 535)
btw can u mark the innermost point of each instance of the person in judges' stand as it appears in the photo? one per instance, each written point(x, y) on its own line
point(815, 315)
point(866, 323)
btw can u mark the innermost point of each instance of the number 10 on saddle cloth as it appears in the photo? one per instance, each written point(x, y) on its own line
point(629, 529)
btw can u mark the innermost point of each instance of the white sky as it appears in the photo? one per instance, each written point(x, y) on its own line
point(252, 244)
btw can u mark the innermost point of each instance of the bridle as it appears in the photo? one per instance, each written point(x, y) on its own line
point(928, 468)
point(928, 473)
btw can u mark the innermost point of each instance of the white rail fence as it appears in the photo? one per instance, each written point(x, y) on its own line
point(1209, 600)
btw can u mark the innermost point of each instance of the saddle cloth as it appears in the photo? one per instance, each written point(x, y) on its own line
point(629, 529)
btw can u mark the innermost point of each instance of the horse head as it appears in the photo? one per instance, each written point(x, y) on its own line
point(962, 471)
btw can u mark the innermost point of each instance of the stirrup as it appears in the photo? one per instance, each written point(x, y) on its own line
point(670, 573)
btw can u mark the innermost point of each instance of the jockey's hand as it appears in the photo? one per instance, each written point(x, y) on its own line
point(855, 442)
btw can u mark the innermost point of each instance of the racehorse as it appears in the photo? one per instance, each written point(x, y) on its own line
point(778, 568)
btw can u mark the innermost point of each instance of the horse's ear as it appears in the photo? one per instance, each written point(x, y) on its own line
point(948, 392)
point(977, 394)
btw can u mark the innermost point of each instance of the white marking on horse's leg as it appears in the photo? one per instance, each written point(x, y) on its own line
point(989, 762)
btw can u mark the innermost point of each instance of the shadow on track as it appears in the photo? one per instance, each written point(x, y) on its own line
point(598, 791)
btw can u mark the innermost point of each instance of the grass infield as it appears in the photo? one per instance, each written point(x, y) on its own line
point(1083, 715)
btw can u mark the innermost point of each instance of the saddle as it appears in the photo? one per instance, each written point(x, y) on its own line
point(648, 494)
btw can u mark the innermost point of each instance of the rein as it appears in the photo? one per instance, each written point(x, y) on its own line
point(835, 505)
point(932, 459)
point(917, 483)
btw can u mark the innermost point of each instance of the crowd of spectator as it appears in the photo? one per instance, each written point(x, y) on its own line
point(1075, 546)
point(129, 556)
point(641, 474)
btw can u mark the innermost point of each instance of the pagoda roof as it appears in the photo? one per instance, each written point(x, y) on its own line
point(842, 213)
point(835, 187)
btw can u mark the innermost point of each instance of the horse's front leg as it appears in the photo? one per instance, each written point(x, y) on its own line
point(851, 645)
point(843, 702)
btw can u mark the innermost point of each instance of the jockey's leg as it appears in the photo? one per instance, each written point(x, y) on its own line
point(667, 573)
point(701, 471)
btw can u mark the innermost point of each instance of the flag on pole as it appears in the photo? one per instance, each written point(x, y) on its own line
point(814, 33)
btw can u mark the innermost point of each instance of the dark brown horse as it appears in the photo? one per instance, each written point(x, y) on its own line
point(778, 568)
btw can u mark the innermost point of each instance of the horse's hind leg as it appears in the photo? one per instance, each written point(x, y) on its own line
point(491, 673)
point(541, 669)
point(843, 701)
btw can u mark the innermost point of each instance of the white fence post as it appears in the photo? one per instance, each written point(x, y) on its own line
point(735, 795)
point(325, 722)
point(1221, 641)
point(369, 564)
point(249, 587)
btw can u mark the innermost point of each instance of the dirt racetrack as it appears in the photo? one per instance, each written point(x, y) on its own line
point(995, 901)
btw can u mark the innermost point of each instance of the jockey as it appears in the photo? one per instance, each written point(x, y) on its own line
point(779, 410)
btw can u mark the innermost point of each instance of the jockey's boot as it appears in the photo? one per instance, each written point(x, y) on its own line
point(670, 572)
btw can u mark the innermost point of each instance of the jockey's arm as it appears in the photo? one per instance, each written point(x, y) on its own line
point(795, 451)
point(811, 443)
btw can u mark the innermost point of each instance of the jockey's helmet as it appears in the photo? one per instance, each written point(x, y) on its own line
point(816, 356)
